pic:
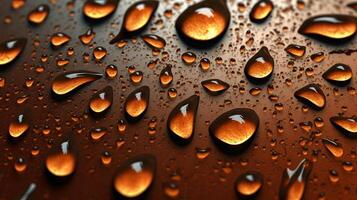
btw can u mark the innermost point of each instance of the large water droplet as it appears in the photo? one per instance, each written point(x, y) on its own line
point(154, 41)
point(296, 50)
point(261, 11)
point(11, 49)
point(333, 147)
point(215, 86)
point(203, 23)
point(18, 127)
point(338, 74)
point(181, 121)
point(99, 9)
point(135, 176)
point(249, 184)
point(312, 96)
point(235, 129)
point(260, 67)
point(136, 18)
point(102, 100)
point(137, 103)
point(347, 125)
point(67, 82)
point(166, 76)
point(39, 14)
point(331, 28)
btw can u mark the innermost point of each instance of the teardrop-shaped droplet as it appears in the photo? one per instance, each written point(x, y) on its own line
point(260, 67)
point(99, 9)
point(154, 41)
point(99, 53)
point(296, 50)
point(61, 163)
point(137, 103)
point(235, 129)
point(67, 82)
point(215, 86)
point(338, 74)
point(204, 23)
point(261, 11)
point(332, 27)
point(333, 147)
point(347, 125)
point(39, 14)
point(249, 184)
point(136, 18)
point(188, 58)
point(59, 39)
point(102, 100)
point(18, 127)
point(312, 96)
point(294, 181)
point(98, 133)
point(135, 176)
point(181, 121)
point(11, 49)
point(166, 76)
point(87, 37)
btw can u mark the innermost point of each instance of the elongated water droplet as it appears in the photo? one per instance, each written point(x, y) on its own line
point(204, 23)
point(102, 100)
point(331, 28)
point(260, 67)
point(11, 49)
point(188, 58)
point(312, 96)
point(59, 39)
point(19, 126)
point(261, 11)
point(249, 184)
point(333, 147)
point(154, 41)
point(136, 18)
point(98, 133)
point(347, 125)
point(294, 181)
point(39, 14)
point(166, 76)
point(137, 103)
point(135, 176)
point(99, 9)
point(67, 82)
point(181, 121)
point(87, 37)
point(338, 74)
point(234, 130)
point(215, 86)
point(296, 50)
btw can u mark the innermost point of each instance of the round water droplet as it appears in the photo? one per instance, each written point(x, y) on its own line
point(260, 67)
point(137, 103)
point(215, 86)
point(17, 4)
point(249, 184)
point(20, 165)
point(347, 125)
point(154, 41)
point(332, 28)
point(338, 74)
point(312, 96)
point(102, 100)
point(188, 58)
point(98, 133)
point(111, 71)
point(136, 18)
point(135, 176)
point(99, 9)
point(261, 11)
point(204, 23)
point(87, 37)
point(11, 49)
point(39, 14)
point(166, 76)
point(67, 82)
point(171, 190)
point(172, 93)
point(99, 53)
point(59, 39)
point(235, 129)
point(296, 50)
point(18, 127)
point(318, 57)
point(181, 121)
point(333, 147)
point(136, 77)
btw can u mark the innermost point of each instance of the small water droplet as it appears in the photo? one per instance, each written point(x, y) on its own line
point(188, 58)
point(39, 14)
point(99, 53)
point(261, 11)
point(318, 57)
point(19, 126)
point(205, 64)
point(102, 100)
point(137, 103)
point(136, 77)
point(111, 71)
point(11, 49)
point(99, 9)
point(249, 184)
point(260, 67)
point(296, 50)
point(333, 147)
point(172, 93)
point(87, 37)
point(98, 133)
point(106, 158)
point(312, 96)
point(215, 86)
point(17, 4)
point(347, 125)
point(171, 190)
point(166, 76)
point(154, 41)
point(59, 39)
point(20, 165)
point(338, 74)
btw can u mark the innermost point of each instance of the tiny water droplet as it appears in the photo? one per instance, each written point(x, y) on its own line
point(296, 50)
point(347, 125)
point(39, 14)
point(249, 184)
point(261, 11)
point(19, 126)
point(102, 100)
point(166, 76)
point(333, 147)
point(11, 49)
point(137, 103)
point(338, 74)
point(106, 158)
point(171, 190)
point(154, 41)
point(312, 96)
point(260, 67)
point(215, 87)
point(59, 39)
point(99, 9)
point(188, 58)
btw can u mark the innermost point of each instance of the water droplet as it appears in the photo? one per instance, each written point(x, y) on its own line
point(235, 129)
point(203, 23)
point(181, 121)
point(333, 147)
point(11, 49)
point(205, 64)
point(255, 91)
point(171, 190)
point(102, 100)
point(294, 181)
point(347, 166)
point(331, 28)
point(338, 74)
point(261, 11)
point(154, 41)
point(249, 184)
point(87, 37)
point(137, 103)
point(111, 71)
point(135, 176)
point(39, 14)
point(318, 57)
point(166, 76)
point(106, 158)
point(215, 86)
point(99, 53)
point(353, 5)
point(188, 58)
point(59, 39)
point(20, 165)
point(312, 96)
point(19, 126)
point(99, 9)
point(98, 133)
point(136, 18)
point(347, 125)
point(260, 67)
point(333, 175)
point(136, 77)
point(296, 50)
point(17, 4)
point(172, 93)
point(67, 82)
point(202, 153)
point(121, 126)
